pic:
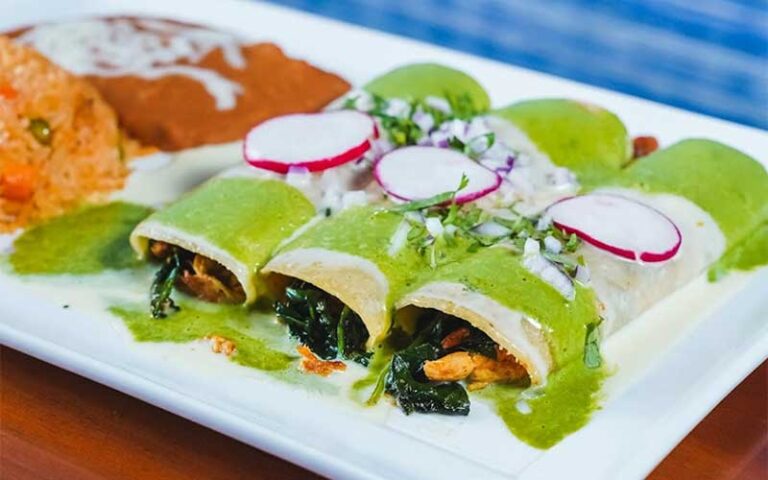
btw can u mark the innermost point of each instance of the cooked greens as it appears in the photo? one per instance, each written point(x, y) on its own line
point(322, 323)
point(405, 379)
point(161, 303)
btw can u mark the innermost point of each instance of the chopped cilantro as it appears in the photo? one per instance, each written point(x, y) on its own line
point(592, 358)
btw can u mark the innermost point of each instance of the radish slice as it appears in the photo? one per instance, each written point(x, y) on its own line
point(623, 227)
point(315, 141)
point(417, 173)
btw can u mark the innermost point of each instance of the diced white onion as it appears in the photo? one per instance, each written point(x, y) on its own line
point(545, 221)
point(531, 247)
point(478, 144)
point(523, 407)
point(397, 107)
point(457, 129)
point(352, 198)
point(364, 101)
point(298, 177)
point(440, 138)
point(477, 127)
point(492, 229)
point(438, 103)
point(434, 226)
point(399, 238)
point(423, 120)
point(331, 200)
point(544, 269)
point(582, 274)
point(552, 245)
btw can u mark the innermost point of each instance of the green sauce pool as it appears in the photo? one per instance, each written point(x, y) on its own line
point(88, 241)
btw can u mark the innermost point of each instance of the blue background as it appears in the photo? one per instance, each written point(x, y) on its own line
point(709, 56)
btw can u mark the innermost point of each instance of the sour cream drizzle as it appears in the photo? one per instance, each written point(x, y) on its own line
point(144, 48)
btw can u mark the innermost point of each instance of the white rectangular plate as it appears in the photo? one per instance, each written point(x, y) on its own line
point(671, 366)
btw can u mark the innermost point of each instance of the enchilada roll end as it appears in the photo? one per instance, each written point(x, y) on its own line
point(585, 138)
point(224, 232)
point(526, 316)
point(151, 239)
point(349, 256)
point(357, 282)
point(511, 330)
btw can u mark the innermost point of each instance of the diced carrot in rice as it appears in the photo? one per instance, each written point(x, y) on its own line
point(84, 159)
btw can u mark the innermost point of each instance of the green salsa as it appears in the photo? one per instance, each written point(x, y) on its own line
point(249, 330)
point(594, 144)
point(422, 80)
point(88, 241)
point(564, 323)
point(750, 253)
point(543, 417)
point(582, 137)
point(366, 232)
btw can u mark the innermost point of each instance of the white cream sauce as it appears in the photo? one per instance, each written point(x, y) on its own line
point(143, 48)
point(160, 178)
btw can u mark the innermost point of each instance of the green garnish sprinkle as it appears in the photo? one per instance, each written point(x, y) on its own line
point(592, 358)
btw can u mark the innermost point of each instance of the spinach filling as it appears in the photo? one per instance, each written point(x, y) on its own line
point(324, 324)
point(413, 392)
point(160, 302)
point(405, 379)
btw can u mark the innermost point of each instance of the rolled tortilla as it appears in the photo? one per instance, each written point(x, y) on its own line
point(722, 181)
point(492, 290)
point(354, 257)
point(351, 255)
point(587, 139)
point(627, 289)
point(236, 221)
point(421, 80)
point(717, 197)
point(543, 328)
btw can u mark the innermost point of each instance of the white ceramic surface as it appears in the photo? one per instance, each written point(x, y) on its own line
point(672, 365)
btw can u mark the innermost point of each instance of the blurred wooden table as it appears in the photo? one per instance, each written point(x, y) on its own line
point(57, 425)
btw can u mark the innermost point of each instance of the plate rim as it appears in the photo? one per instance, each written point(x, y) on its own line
point(283, 446)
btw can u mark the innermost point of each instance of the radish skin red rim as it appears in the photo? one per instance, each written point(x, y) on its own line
point(417, 173)
point(315, 141)
point(624, 227)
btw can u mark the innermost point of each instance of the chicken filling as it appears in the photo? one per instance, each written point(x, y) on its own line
point(199, 276)
point(437, 362)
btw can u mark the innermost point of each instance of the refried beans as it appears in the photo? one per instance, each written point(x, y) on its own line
point(177, 111)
